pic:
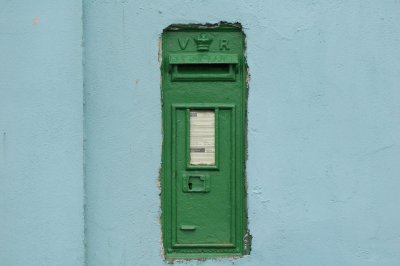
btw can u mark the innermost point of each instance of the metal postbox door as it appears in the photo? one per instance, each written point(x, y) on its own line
point(204, 96)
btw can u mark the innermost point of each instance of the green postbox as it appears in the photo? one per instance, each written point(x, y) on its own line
point(204, 121)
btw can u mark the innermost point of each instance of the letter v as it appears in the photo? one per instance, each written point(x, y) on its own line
point(184, 44)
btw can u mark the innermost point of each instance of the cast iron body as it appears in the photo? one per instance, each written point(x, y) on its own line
point(203, 206)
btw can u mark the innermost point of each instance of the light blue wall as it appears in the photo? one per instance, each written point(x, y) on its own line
point(323, 135)
point(324, 124)
point(41, 177)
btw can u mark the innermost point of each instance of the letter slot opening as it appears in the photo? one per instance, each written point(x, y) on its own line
point(203, 72)
point(203, 67)
point(196, 69)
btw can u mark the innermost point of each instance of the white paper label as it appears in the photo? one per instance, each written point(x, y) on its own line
point(202, 137)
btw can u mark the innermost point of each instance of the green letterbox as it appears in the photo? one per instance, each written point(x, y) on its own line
point(204, 120)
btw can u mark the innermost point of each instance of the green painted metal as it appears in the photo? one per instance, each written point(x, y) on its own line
point(204, 206)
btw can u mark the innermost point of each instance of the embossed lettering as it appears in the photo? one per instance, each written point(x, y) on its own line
point(223, 44)
point(183, 44)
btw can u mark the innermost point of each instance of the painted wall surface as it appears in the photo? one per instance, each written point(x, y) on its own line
point(41, 176)
point(323, 130)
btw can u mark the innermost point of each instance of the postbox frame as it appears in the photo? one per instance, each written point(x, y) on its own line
point(239, 247)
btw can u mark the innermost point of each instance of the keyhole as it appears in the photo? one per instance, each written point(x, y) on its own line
point(190, 185)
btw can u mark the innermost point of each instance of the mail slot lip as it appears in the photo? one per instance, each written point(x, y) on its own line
point(178, 60)
point(200, 58)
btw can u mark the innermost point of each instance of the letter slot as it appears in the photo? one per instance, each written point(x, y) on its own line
point(201, 67)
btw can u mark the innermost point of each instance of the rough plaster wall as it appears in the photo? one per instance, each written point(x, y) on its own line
point(323, 139)
point(41, 177)
point(323, 129)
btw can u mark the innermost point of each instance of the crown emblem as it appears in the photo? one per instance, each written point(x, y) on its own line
point(203, 42)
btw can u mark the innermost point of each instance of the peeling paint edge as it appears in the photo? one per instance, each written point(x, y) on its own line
point(206, 26)
point(247, 236)
point(159, 180)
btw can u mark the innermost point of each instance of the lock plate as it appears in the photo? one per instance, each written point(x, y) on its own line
point(195, 183)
